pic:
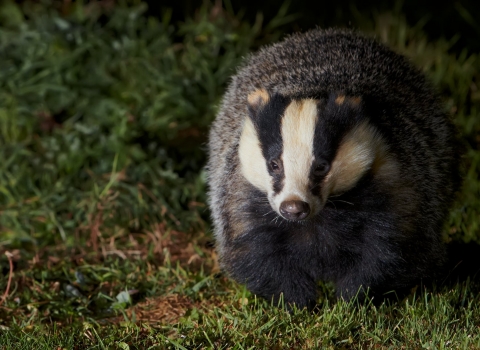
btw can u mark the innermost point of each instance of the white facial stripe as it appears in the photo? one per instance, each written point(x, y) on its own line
point(253, 165)
point(298, 129)
point(354, 157)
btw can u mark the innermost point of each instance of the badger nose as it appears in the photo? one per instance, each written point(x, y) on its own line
point(294, 210)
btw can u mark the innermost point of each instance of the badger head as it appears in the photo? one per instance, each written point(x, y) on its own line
point(301, 151)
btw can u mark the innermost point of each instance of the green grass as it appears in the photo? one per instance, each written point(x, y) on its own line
point(104, 114)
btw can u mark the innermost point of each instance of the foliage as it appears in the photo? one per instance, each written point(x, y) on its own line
point(104, 114)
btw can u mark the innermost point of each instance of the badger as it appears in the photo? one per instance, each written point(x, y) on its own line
point(330, 159)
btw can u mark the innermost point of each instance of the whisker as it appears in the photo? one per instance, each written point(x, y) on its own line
point(328, 200)
point(276, 219)
point(338, 200)
point(262, 200)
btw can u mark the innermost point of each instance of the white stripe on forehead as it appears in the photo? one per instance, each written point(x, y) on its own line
point(298, 129)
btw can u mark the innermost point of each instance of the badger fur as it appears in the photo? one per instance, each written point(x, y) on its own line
point(330, 159)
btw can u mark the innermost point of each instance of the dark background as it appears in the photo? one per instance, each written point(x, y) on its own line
point(442, 19)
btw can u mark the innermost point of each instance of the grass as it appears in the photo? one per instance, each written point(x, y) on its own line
point(105, 238)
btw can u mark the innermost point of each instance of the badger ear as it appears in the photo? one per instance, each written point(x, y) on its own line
point(256, 100)
point(345, 109)
point(353, 102)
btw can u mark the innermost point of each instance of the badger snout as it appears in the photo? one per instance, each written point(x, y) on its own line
point(294, 210)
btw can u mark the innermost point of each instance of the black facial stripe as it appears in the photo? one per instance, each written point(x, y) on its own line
point(333, 124)
point(268, 124)
point(315, 188)
point(278, 183)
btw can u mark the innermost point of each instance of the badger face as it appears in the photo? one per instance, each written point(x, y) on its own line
point(300, 152)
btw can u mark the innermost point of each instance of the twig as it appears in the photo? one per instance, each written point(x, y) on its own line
point(5, 295)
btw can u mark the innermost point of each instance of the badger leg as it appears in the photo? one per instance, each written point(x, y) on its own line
point(375, 280)
point(273, 275)
point(388, 271)
point(355, 286)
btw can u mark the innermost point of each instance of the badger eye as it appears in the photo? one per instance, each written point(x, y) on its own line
point(321, 168)
point(276, 166)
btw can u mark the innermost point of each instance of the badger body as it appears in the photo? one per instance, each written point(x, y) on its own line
point(330, 159)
